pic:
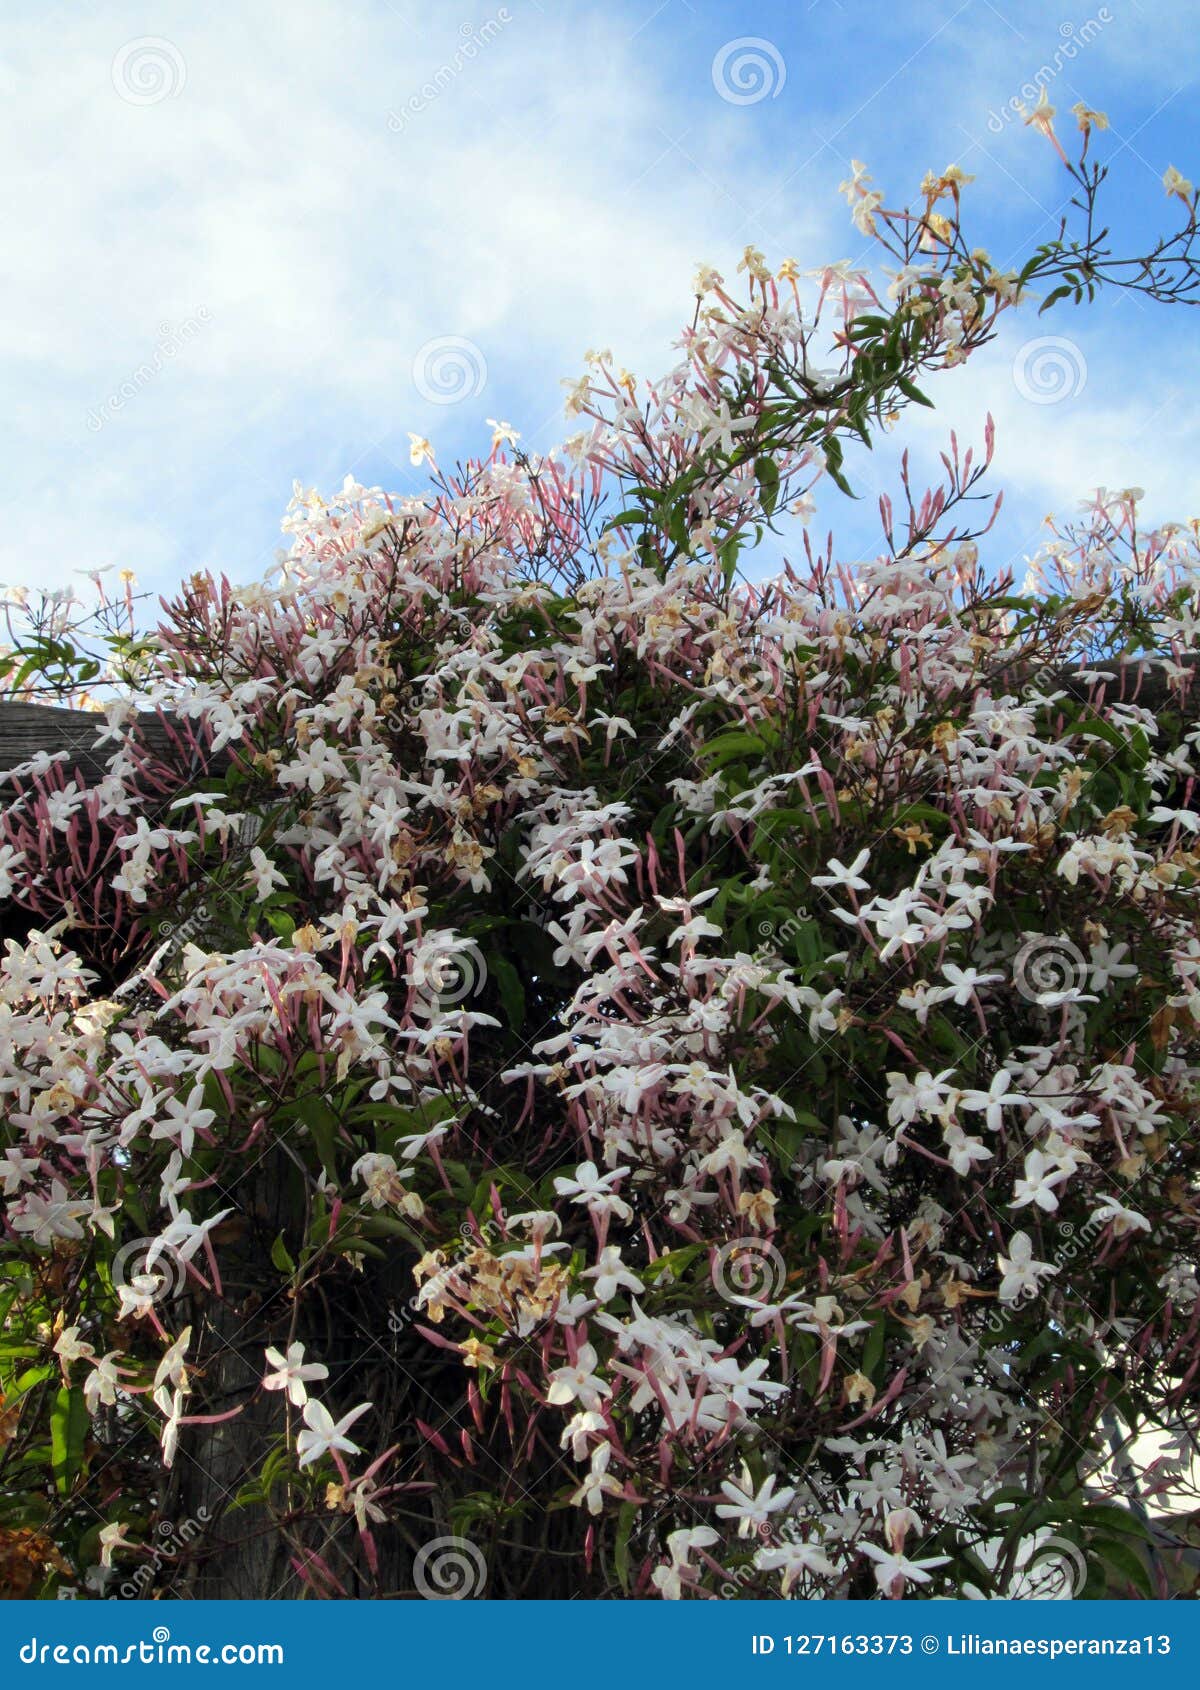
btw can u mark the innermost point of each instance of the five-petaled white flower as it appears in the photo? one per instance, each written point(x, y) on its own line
point(323, 1434)
point(1039, 1182)
point(594, 1190)
point(292, 1373)
point(892, 1568)
point(751, 1508)
point(1021, 1272)
point(611, 1275)
point(848, 877)
point(580, 1382)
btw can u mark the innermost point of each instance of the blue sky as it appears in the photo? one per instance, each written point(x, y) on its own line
point(256, 204)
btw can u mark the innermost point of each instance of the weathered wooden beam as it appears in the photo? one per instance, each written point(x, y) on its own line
point(1133, 682)
point(26, 729)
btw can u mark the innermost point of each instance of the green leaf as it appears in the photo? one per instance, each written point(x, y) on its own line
point(729, 558)
point(1107, 731)
point(911, 391)
point(281, 924)
point(512, 993)
point(1110, 1516)
point(68, 1430)
point(833, 465)
point(32, 1377)
point(767, 473)
point(627, 519)
point(868, 325)
point(322, 1125)
point(1053, 296)
point(280, 1257)
point(626, 1516)
point(727, 746)
point(1124, 1560)
point(873, 1348)
point(673, 1262)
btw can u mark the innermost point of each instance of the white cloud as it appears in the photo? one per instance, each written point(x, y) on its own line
point(1132, 422)
point(536, 206)
point(555, 195)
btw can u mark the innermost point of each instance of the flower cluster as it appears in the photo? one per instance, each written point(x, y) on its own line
point(709, 1006)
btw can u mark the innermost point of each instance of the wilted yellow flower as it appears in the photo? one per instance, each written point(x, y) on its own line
point(1176, 184)
point(755, 265)
point(944, 735)
point(759, 1209)
point(913, 835)
point(1087, 118)
point(949, 182)
point(858, 1388)
point(1042, 115)
point(477, 1354)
